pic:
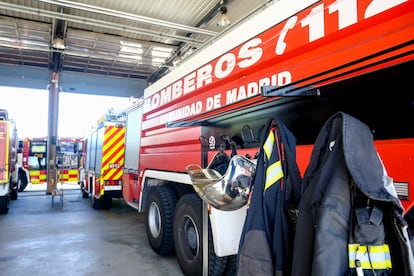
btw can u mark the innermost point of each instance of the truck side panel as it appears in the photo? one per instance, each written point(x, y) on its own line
point(170, 150)
point(99, 136)
point(131, 190)
point(8, 158)
point(132, 139)
point(329, 48)
point(4, 152)
point(398, 159)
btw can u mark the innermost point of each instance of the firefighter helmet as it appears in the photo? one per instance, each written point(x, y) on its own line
point(225, 192)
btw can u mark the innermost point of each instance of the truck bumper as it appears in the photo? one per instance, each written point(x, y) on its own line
point(112, 193)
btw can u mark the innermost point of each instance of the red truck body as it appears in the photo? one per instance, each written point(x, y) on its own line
point(319, 57)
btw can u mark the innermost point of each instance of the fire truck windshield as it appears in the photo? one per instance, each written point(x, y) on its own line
point(68, 154)
point(38, 147)
point(37, 155)
point(37, 163)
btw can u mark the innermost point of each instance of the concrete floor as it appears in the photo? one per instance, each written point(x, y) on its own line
point(38, 239)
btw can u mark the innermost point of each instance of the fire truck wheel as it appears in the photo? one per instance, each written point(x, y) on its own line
point(4, 204)
point(107, 202)
point(13, 194)
point(97, 203)
point(85, 194)
point(159, 211)
point(188, 239)
point(22, 181)
point(183, 189)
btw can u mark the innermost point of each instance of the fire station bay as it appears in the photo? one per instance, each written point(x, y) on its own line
point(253, 138)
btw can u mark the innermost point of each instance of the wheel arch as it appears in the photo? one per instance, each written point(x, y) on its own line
point(179, 182)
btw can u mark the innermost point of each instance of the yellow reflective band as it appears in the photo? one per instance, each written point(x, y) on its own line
point(268, 145)
point(370, 257)
point(273, 173)
point(5, 138)
point(101, 186)
point(112, 136)
point(70, 175)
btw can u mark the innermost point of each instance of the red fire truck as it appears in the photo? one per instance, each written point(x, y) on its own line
point(101, 175)
point(8, 158)
point(319, 57)
point(69, 154)
point(34, 159)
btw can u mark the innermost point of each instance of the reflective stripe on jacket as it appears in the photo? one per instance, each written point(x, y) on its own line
point(266, 242)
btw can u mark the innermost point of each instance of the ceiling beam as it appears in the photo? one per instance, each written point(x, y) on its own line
point(162, 70)
point(98, 23)
point(129, 16)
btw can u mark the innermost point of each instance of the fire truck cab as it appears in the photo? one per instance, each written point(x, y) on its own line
point(69, 154)
point(34, 160)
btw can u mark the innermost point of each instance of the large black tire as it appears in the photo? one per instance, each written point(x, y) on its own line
point(107, 204)
point(97, 203)
point(4, 204)
point(13, 194)
point(188, 239)
point(159, 210)
point(85, 194)
point(22, 181)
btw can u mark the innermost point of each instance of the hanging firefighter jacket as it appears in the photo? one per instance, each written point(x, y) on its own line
point(350, 219)
point(267, 238)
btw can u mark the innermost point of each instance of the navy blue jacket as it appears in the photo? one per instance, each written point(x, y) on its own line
point(267, 237)
point(344, 154)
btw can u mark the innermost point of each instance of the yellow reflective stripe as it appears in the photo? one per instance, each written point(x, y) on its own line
point(6, 137)
point(102, 188)
point(37, 176)
point(268, 145)
point(117, 175)
point(376, 265)
point(373, 256)
point(34, 173)
point(113, 151)
point(112, 137)
point(274, 170)
point(273, 173)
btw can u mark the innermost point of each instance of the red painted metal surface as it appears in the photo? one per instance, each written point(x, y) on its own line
point(325, 43)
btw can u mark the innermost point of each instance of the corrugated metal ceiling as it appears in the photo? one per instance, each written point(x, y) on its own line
point(127, 38)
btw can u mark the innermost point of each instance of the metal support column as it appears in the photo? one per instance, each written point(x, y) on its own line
point(52, 133)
